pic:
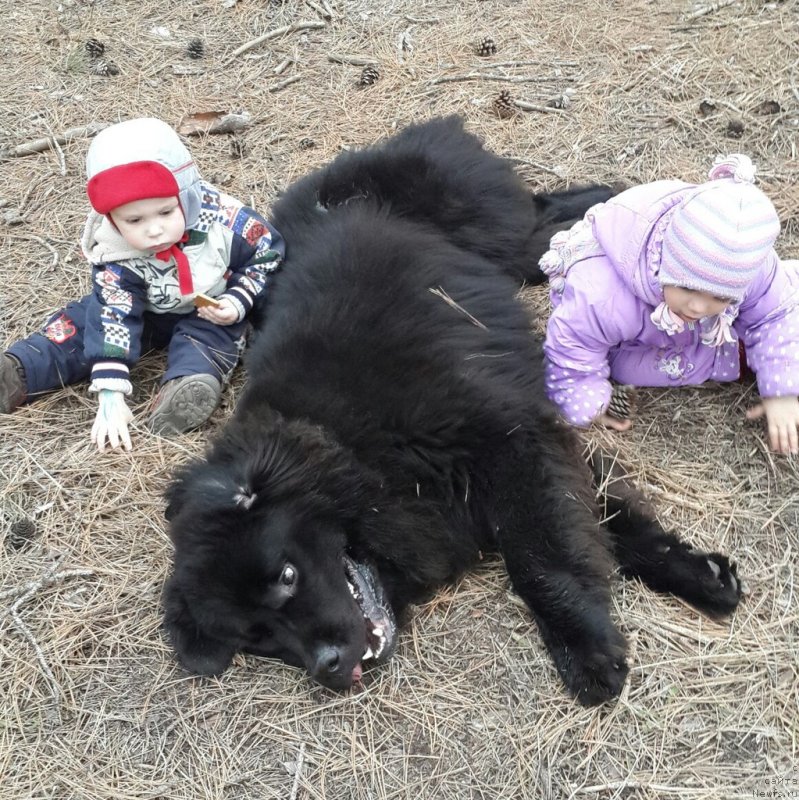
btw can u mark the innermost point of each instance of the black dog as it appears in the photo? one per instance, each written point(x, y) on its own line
point(395, 425)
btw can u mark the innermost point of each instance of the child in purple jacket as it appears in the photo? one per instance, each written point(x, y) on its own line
point(666, 285)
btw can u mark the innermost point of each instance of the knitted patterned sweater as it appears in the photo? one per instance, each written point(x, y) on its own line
point(230, 249)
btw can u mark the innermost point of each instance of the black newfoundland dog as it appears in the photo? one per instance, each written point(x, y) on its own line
point(395, 426)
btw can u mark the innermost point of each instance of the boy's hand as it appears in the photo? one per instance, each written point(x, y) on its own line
point(782, 416)
point(111, 422)
point(223, 314)
point(612, 422)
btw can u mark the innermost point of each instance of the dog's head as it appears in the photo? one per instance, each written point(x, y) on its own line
point(263, 533)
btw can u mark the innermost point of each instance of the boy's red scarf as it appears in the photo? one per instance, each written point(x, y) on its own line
point(184, 270)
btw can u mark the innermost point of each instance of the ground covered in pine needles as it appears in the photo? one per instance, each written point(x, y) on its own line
point(93, 705)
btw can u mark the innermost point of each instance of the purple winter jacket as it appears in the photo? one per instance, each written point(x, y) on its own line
point(600, 326)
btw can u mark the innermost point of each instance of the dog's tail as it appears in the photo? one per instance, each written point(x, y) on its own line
point(554, 212)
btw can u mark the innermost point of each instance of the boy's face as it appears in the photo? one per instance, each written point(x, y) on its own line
point(154, 223)
point(691, 305)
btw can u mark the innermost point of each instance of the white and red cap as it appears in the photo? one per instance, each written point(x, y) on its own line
point(140, 159)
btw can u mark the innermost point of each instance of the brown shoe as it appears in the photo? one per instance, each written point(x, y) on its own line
point(185, 403)
point(12, 384)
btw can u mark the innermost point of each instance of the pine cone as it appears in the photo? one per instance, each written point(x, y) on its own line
point(504, 105)
point(623, 400)
point(486, 47)
point(105, 68)
point(369, 75)
point(195, 48)
point(22, 532)
point(94, 48)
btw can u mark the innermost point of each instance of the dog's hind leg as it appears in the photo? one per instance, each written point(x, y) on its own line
point(556, 557)
point(569, 205)
point(660, 559)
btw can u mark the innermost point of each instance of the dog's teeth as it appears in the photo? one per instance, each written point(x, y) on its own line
point(368, 653)
point(378, 632)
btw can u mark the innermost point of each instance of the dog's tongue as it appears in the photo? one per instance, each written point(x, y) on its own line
point(357, 673)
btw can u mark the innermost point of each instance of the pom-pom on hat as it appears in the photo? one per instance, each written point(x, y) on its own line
point(720, 235)
point(140, 159)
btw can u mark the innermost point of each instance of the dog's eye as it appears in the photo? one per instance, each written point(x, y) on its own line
point(289, 575)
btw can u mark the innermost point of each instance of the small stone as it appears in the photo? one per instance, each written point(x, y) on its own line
point(306, 144)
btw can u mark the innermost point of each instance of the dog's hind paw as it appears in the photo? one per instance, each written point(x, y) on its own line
point(718, 588)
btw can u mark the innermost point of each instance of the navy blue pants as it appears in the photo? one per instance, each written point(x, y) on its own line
point(54, 357)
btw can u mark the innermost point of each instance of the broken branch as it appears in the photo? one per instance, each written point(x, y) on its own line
point(273, 34)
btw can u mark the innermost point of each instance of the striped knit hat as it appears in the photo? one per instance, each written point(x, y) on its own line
point(720, 235)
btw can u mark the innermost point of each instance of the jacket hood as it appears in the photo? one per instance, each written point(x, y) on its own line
point(102, 243)
point(629, 228)
point(147, 141)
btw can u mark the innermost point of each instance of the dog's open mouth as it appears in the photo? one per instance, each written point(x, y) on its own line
point(381, 627)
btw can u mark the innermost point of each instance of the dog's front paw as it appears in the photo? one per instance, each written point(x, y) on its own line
point(595, 671)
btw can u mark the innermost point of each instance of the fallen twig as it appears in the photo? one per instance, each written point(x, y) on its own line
point(794, 88)
point(27, 590)
point(355, 61)
point(531, 63)
point(711, 9)
point(60, 153)
point(284, 83)
point(55, 689)
point(324, 13)
point(557, 171)
point(483, 76)
point(52, 142)
point(525, 106)
point(298, 772)
point(273, 34)
point(283, 66)
point(44, 243)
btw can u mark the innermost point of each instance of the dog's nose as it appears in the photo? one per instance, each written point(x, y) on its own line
point(328, 661)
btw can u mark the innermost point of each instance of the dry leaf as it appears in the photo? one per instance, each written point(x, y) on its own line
point(214, 122)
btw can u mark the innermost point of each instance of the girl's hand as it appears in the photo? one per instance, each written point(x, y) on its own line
point(782, 416)
point(612, 422)
point(223, 314)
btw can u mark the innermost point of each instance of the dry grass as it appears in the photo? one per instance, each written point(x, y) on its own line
point(93, 705)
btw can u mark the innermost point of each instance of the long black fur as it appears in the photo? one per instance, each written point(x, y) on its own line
point(395, 412)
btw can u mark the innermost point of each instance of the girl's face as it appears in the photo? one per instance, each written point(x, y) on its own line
point(691, 305)
point(155, 223)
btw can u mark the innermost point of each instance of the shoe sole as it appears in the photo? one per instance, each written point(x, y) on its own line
point(188, 407)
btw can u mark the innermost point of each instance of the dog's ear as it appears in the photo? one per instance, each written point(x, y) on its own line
point(208, 487)
point(197, 652)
